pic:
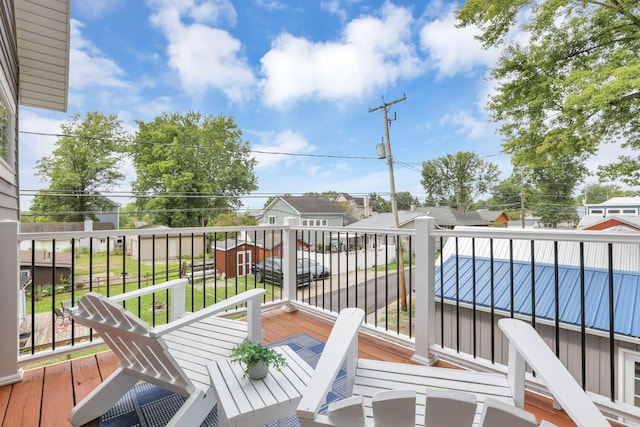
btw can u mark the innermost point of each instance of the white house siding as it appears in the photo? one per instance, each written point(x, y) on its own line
point(9, 198)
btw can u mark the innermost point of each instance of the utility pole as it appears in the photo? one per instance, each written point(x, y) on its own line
point(394, 206)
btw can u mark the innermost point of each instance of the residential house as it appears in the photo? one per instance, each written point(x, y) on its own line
point(110, 214)
point(447, 217)
point(615, 206)
point(358, 207)
point(311, 211)
point(307, 211)
point(444, 217)
point(610, 223)
point(496, 218)
point(476, 273)
point(34, 73)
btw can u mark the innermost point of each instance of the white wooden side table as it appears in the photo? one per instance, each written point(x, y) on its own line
point(243, 402)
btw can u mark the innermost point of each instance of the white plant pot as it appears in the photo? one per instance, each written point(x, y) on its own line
point(258, 371)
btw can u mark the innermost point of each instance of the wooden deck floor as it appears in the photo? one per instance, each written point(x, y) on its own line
point(46, 395)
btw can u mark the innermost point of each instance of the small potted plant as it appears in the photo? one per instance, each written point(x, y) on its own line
point(256, 359)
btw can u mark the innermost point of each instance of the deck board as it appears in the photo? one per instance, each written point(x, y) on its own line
point(46, 395)
point(24, 404)
point(57, 395)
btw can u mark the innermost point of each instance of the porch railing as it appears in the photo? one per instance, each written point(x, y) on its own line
point(456, 282)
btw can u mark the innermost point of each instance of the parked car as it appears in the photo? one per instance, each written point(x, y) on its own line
point(318, 271)
point(270, 270)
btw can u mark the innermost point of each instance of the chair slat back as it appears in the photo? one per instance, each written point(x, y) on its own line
point(128, 337)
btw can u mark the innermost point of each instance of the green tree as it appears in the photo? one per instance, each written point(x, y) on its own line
point(128, 215)
point(232, 219)
point(572, 86)
point(555, 183)
point(329, 195)
point(405, 201)
point(456, 180)
point(506, 195)
point(598, 193)
point(191, 168)
point(86, 161)
point(379, 204)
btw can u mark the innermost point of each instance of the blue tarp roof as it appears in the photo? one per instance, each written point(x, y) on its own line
point(626, 290)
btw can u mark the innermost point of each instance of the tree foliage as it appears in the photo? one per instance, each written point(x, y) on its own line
point(456, 180)
point(329, 195)
point(405, 201)
point(379, 204)
point(554, 184)
point(506, 195)
point(191, 168)
point(598, 193)
point(232, 219)
point(573, 84)
point(85, 162)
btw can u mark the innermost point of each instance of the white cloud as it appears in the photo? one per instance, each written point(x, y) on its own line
point(88, 66)
point(454, 50)
point(373, 53)
point(203, 56)
point(286, 141)
point(467, 125)
point(271, 5)
point(333, 6)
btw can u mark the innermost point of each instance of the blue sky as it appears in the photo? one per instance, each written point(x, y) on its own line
point(297, 76)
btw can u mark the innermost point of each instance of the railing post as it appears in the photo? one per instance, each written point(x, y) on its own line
point(10, 372)
point(289, 269)
point(425, 302)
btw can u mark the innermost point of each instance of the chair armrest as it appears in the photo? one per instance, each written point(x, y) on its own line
point(149, 290)
point(252, 297)
point(341, 345)
point(527, 345)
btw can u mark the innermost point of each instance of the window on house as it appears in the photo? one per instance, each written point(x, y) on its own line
point(636, 395)
point(630, 376)
point(4, 131)
point(271, 220)
point(629, 211)
point(613, 211)
point(7, 135)
point(315, 222)
point(596, 211)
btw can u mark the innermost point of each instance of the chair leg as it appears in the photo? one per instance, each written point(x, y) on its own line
point(102, 398)
point(194, 410)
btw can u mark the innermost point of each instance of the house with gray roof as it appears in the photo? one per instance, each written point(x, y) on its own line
point(616, 206)
point(447, 217)
point(309, 211)
point(356, 206)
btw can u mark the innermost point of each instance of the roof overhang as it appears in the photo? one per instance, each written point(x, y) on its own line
point(43, 33)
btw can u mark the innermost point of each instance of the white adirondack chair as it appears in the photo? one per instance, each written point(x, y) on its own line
point(367, 379)
point(527, 347)
point(172, 356)
point(459, 391)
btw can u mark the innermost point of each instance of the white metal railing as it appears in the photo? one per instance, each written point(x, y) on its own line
point(424, 245)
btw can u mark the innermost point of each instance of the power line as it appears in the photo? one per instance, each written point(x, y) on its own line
point(281, 153)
